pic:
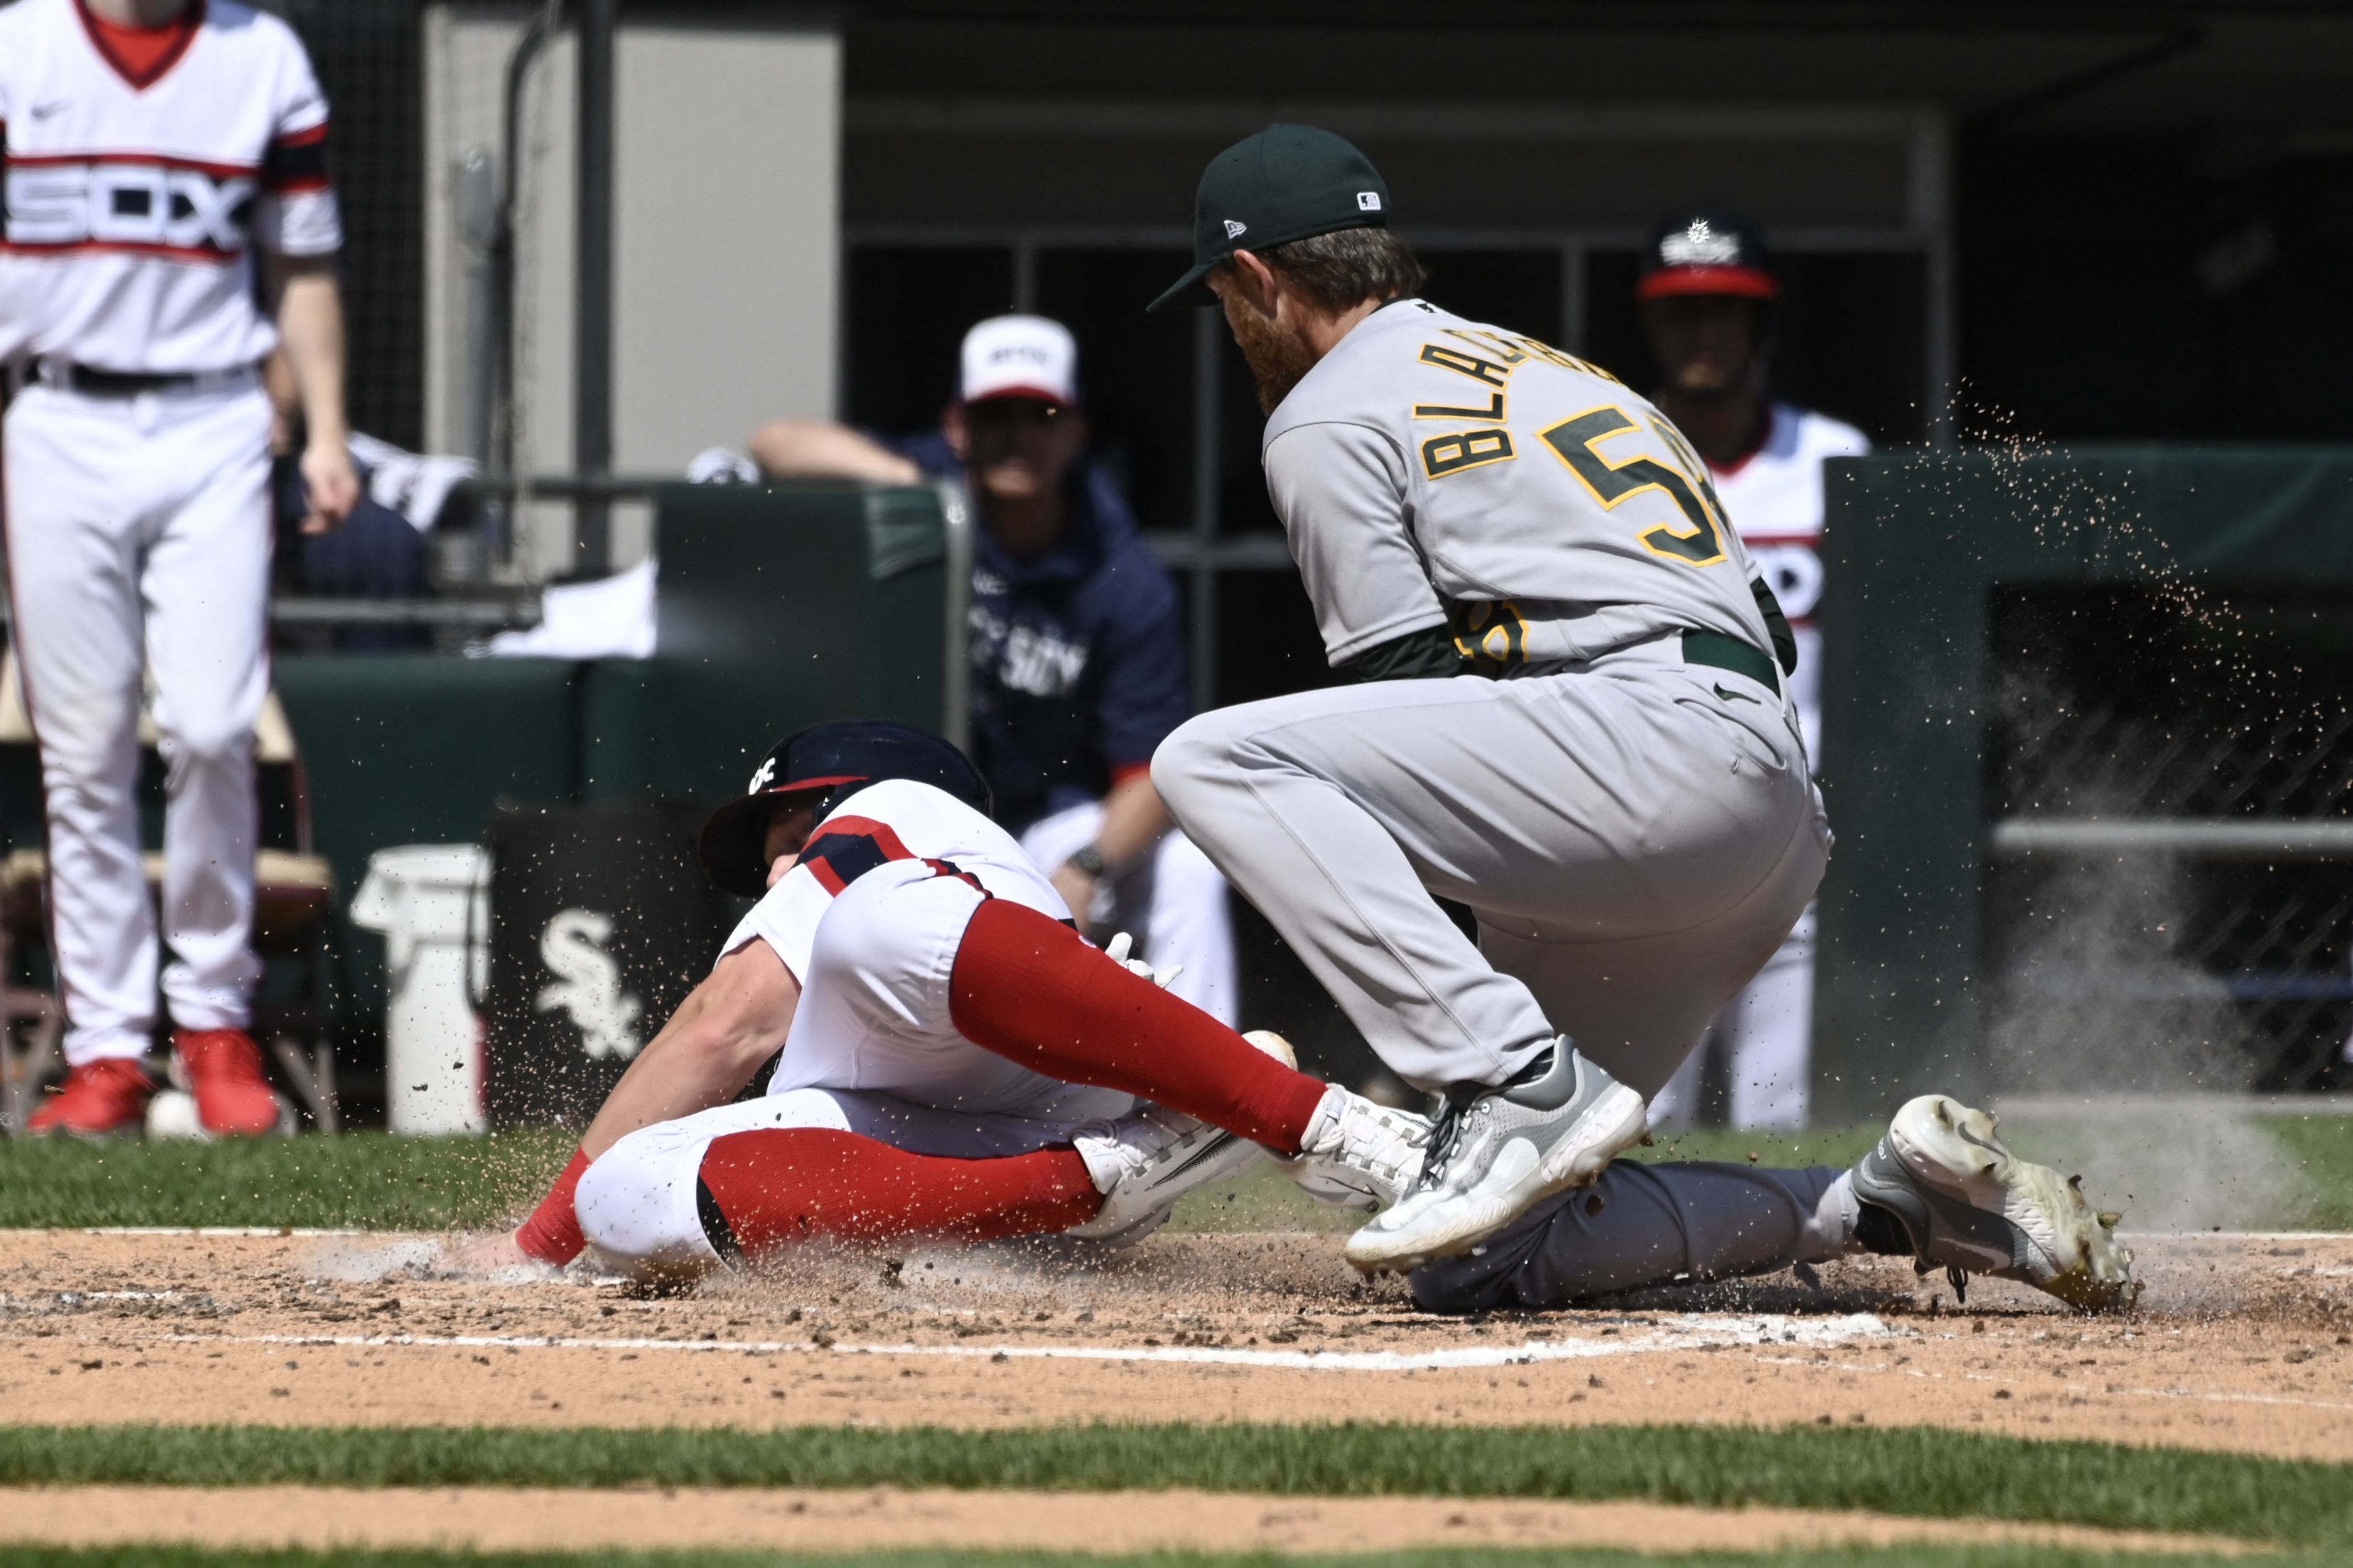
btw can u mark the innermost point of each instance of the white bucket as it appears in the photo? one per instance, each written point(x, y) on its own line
point(430, 900)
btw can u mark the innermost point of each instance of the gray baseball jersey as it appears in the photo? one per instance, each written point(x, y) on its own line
point(1434, 471)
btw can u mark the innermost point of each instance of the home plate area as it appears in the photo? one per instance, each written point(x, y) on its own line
point(2241, 1342)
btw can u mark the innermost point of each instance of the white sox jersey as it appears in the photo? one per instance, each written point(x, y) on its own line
point(1434, 472)
point(1774, 497)
point(896, 820)
point(133, 197)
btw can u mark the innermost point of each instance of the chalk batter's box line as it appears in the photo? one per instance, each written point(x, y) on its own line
point(1688, 1334)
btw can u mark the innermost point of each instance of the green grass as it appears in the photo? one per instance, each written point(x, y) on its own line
point(1924, 1556)
point(366, 1181)
point(1916, 1471)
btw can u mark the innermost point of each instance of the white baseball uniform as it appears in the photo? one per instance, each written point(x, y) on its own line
point(137, 514)
point(1774, 497)
point(869, 921)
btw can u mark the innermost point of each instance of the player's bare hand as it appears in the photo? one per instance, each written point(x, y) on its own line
point(490, 1255)
point(1078, 891)
point(334, 483)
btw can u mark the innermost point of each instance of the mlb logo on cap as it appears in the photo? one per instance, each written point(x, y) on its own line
point(1019, 356)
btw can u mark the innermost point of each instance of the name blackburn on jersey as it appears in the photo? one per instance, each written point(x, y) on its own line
point(61, 202)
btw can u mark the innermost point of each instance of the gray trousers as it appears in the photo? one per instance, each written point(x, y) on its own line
point(1635, 835)
point(1657, 1224)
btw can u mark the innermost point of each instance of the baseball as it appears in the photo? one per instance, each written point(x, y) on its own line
point(173, 1114)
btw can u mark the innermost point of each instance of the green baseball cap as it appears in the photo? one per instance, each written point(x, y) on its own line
point(1287, 183)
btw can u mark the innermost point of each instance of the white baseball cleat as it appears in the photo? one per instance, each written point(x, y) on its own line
point(1497, 1153)
point(1970, 1205)
point(1358, 1153)
point(1144, 1162)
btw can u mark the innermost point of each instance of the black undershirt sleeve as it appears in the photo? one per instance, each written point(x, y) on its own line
point(1426, 655)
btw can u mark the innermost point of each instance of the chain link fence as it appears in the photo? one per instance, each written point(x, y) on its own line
point(2168, 897)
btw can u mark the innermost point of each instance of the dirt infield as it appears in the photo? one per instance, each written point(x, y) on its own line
point(517, 1519)
point(2241, 1343)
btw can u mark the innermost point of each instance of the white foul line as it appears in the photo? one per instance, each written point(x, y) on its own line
point(1683, 1331)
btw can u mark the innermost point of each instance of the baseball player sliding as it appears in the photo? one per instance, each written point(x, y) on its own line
point(151, 148)
point(957, 1060)
point(1576, 720)
point(1706, 294)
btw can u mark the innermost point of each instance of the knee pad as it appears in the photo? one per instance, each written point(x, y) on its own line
point(638, 1205)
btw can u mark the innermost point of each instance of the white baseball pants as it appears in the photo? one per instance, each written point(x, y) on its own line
point(1766, 1035)
point(872, 1050)
point(137, 533)
point(1636, 837)
point(1173, 901)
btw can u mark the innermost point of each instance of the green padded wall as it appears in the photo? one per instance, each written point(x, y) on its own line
point(781, 606)
point(1914, 541)
point(410, 749)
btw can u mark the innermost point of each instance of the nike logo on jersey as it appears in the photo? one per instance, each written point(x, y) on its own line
point(140, 204)
point(43, 111)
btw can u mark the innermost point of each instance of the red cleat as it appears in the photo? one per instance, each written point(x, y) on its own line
point(98, 1099)
point(224, 1068)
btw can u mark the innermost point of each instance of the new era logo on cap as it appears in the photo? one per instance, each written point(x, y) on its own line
point(1287, 183)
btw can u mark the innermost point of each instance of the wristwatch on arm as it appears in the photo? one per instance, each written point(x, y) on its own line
point(1088, 860)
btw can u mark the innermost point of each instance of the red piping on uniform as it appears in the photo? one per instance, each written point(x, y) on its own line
point(151, 160)
point(188, 23)
point(122, 248)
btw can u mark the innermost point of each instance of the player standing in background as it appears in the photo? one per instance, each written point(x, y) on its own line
point(1077, 658)
point(1706, 296)
point(151, 148)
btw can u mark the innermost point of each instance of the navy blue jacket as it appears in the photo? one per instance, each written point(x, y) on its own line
point(1077, 655)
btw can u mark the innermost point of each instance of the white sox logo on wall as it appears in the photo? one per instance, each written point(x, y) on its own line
point(190, 210)
point(588, 983)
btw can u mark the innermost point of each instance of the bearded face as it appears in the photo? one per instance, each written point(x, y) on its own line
point(1277, 353)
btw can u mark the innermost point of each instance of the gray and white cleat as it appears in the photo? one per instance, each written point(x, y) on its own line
point(1358, 1153)
point(1496, 1153)
point(1971, 1206)
point(1145, 1161)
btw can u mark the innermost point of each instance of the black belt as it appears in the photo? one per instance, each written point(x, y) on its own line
point(1720, 652)
point(64, 375)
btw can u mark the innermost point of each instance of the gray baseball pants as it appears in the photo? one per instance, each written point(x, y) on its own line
point(1657, 1224)
point(1635, 835)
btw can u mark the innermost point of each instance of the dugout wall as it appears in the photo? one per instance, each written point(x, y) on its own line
point(2236, 753)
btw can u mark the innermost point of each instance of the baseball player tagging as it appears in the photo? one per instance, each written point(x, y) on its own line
point(143, 165)
point(1624, 802)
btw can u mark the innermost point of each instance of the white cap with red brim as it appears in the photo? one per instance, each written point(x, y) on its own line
point(1019, 356)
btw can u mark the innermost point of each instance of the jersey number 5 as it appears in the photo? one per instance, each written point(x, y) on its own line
point(1573, 440)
